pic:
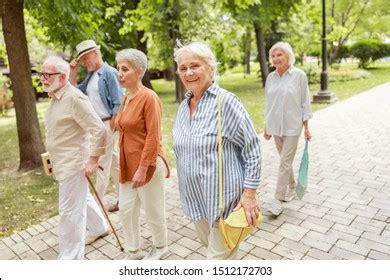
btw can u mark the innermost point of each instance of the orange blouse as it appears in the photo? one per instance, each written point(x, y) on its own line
point(140, 134)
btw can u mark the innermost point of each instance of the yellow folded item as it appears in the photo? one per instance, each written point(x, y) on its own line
point(236, 228)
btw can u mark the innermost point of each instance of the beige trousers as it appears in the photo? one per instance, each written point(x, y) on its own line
point(287, 147)
point(109, 161)
point(211, 238)
point(151, 197)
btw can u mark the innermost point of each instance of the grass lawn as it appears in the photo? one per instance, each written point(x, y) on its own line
point(28, 198)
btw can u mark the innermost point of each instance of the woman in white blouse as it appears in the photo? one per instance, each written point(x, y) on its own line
point(287, 112)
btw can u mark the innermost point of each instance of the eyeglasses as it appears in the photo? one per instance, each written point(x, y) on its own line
point(47, 75)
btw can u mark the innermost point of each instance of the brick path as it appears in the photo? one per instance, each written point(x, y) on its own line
point(344, 215)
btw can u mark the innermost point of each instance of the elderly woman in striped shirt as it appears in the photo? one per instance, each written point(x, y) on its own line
point(287, 111)
point(196, 149)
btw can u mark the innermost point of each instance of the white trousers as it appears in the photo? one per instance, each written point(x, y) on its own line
point(78, 210)
point(211, 238)
point(151, 197)
point(109, 161)
point(287, 147)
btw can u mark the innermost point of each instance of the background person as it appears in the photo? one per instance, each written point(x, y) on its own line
point(287, 111)
point(69, 120)
point(196, 148)
point(105, 94)
point(142, 163)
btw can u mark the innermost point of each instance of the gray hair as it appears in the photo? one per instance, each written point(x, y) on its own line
point(199, 49)
point(136, 58)
point(59, 64)
point(286, 48)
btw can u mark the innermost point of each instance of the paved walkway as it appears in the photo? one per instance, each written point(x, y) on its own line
point(344, 215)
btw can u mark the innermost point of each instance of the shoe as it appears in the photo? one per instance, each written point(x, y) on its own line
point(135, 255)
point(276, 207)
point(290, 194)
point(157, 253)
point(92, 238)
point(114, 208)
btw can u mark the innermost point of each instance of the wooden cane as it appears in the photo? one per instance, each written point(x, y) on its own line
point(104, 210)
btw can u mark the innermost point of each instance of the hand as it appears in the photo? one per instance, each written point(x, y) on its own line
point(249, 202)
point(307, 134)
point(92, 166)
point(73, 64)
point(267, 136)
point(112, 123)
point(73, 72)
point(139, 177)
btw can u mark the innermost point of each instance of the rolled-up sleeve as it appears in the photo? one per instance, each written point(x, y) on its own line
point(87, 118)
point(152, 140)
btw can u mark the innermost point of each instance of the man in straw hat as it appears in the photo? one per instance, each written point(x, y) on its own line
point(103, 90)
point(70, 119)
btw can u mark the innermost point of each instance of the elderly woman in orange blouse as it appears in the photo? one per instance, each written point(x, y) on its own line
point(142, 163)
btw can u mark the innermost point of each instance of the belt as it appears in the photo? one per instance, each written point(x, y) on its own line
point(106, 119)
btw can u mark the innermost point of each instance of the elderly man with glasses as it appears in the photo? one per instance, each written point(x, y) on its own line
point(70, 121)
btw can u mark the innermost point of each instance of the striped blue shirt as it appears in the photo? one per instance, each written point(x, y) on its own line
point(196, 149)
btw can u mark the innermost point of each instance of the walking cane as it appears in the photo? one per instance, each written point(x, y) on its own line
point(104, 210)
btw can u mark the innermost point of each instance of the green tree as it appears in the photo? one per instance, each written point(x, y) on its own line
point(344, 18)
point(67, 22)
point(165, 21)
point(29, 136)
point(369, 50)
point(266, 18)
point(303, 31)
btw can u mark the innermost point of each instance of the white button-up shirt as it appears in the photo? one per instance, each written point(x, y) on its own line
point(70, 122)
point(287, 102)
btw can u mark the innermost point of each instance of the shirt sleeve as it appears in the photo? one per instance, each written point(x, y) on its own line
point(87, 118)
point(114, 90)
point(305, 98)
point(243, 134)
point(152, 115)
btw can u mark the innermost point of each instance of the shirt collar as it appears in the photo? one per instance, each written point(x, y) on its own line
point(100, 70)
point(212, 89)
point(59, 93)
point(289, 71)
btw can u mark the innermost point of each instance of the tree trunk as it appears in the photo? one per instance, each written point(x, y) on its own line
point(262, 56)
point(143, 47)
point(333, 54)
point(30, 142)
point(169, 74)
point(172, 15)
point(247, 51)
point(179, 88)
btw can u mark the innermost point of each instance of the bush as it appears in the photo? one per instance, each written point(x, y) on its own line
point(369, 50)
point(335, 75)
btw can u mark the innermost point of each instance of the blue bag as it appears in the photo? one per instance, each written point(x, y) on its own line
point(303, 173)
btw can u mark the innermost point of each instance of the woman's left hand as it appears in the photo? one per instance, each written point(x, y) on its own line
point(249, 202)
point(307, 134)
point(139, 177)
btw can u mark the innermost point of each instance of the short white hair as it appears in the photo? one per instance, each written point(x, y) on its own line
point(134, 57)
point(60, 65)
point(199, 49)
point(286, 48)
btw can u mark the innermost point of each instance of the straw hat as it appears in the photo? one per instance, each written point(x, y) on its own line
point(85, 47)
